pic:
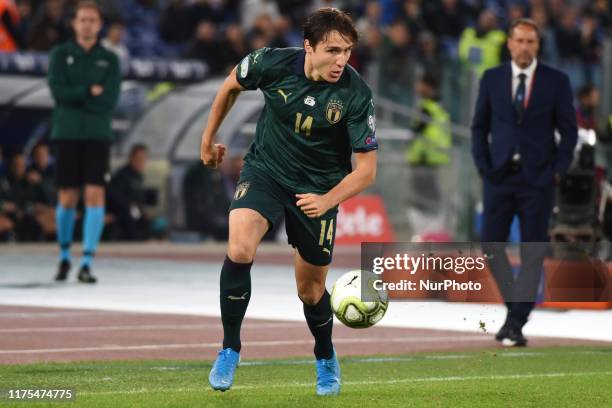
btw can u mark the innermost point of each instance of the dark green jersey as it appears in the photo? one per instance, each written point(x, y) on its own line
point(78, 115)
point(308, 129)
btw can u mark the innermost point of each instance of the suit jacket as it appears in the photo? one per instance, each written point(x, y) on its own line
point(550, 107)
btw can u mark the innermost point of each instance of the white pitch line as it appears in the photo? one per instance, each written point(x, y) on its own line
point(273, 343)
point(364, 382)
point(35, 315)
point(251, 326)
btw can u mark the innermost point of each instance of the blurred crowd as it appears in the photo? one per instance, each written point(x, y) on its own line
point(220, 32)
point(28, 197)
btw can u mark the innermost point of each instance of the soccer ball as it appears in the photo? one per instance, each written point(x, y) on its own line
point(347, 304)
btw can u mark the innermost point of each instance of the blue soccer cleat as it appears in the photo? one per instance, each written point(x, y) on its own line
point(221, 375)
point(328, 376)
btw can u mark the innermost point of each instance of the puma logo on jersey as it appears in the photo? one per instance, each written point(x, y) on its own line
point(285, 96)
point(243, 297)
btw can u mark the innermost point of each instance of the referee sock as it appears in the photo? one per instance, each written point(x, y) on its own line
point(64, 220)
point(320, 322)
point(92, 230)
point(234, 299)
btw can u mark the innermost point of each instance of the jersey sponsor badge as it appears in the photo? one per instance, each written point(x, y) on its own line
point(241, 190)
point(309, 100)
point(333, 112)
point(70, 60)
point(244, 67)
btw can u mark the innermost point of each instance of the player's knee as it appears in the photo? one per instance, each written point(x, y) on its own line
point(310, 293)
point(240, 252)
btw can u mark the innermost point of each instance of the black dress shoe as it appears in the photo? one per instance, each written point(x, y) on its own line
point(514, 338)
point(503, 332)
point(62, 271)
point(85, 275)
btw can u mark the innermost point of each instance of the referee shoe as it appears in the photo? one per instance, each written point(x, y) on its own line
point(62, 270)
point(85, 275)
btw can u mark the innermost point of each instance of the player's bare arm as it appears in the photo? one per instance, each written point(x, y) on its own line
point(212, 153)
point(364, 174)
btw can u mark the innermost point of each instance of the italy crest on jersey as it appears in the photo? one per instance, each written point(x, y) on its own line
point(333, 111)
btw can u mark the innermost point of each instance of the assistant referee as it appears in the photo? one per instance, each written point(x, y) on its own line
point(85, 81)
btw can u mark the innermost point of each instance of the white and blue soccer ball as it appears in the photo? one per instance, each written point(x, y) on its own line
point(347, 303)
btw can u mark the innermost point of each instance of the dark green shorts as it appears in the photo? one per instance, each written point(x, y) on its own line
point(312, 237)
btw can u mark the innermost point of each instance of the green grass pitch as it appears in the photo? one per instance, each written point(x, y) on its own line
point(559, 377)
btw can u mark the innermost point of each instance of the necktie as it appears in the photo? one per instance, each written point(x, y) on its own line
point(519, 99)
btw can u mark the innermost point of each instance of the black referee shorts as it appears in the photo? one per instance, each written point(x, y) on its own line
point(80, 162)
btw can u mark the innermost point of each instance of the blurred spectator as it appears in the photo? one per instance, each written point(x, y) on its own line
point(35, 218)
point(586, 112)
point(251, 9)
point(207, 195)
point(397, 52)
point(114, 40)
point(413, 18)
point(367, 48)
point(49, 26)
point(2, 169)
point(217, 11)
point(371, 16)
point(603, 10)
point(235, 46)
point(25, 20)
point(515, 11)
point(428, 56)
point(568, 37)
point(548, 46)
point(263, 26)
point(127, 198)
point(480, 48)
point(445, 18)
point(175, 22)
point(10, 38)
point(432, 138)
point(7, 211)
point(282, 33)
point(41, 172)
point(591, 46)
point(208, 48)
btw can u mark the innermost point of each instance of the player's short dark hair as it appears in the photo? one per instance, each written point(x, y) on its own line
point(325, 20)
point(524, 21)
point(88, 4)
point(137, 148)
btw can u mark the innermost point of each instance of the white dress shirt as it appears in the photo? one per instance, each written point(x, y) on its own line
point(529, 71)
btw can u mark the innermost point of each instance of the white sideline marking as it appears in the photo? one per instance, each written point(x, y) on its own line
point(35, 315)
point(146, 327)
point(455, 339)
point(373, 382)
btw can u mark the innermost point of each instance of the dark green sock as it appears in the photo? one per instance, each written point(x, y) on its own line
point(320, 322)
point(234, 297)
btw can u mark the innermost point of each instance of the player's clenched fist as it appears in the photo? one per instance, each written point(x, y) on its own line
point(212, 155)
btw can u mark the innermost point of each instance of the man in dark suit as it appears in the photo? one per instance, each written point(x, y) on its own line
point(520, 105)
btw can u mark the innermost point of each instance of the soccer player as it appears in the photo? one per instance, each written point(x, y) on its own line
point(318, 111)
point(84, 78)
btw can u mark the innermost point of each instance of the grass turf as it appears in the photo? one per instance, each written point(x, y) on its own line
point(530, 377)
